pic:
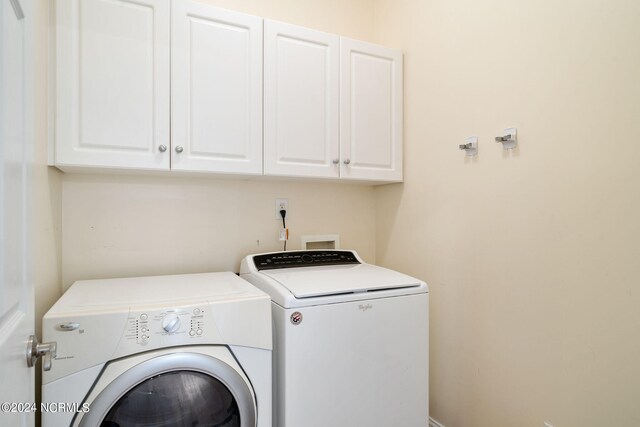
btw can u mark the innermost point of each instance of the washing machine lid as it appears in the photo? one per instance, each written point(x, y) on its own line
point(321, 281)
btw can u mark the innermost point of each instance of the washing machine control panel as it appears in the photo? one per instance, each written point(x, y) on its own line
point(303, 259)
point(172, 325)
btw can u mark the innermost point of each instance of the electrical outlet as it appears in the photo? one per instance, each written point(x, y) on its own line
point(280, 205)
point(283, 234)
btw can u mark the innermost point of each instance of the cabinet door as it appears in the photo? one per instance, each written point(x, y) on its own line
point(112, 83)
point(216, 103)
point(301, 101)
point(370, 112)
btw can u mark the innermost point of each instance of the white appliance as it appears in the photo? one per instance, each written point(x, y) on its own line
point(153, 351)
point(351, 340)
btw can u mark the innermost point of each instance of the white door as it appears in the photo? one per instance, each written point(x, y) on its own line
point(216, 83)
point(16, 290)
point(112, 83)
point(370, 112)
point(301, 129)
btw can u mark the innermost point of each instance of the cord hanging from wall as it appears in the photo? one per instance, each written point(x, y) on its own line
point(284, 233)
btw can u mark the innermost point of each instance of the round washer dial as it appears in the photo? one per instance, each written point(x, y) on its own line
point(171, 323)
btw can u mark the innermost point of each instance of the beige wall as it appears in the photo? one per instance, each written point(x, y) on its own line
point(531, 256)
point(46, 193)
point(351, 18)
point(132, 225)
point(46, 183)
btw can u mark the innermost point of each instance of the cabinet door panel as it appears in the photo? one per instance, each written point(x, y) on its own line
point(371, 112)
point(301, 101)
point(216, 90)
point(112, 81)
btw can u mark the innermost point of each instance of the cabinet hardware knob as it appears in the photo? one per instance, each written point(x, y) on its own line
point(347, 161)
point(179, 149)
point(336, 161)
point(162, 148)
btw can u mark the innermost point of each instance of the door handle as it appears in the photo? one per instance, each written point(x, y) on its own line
point(35, 350)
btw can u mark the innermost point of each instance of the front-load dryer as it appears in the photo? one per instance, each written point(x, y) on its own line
point(351, 340)
point(178, 350)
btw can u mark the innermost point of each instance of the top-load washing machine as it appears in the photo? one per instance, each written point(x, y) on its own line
point(178, 350)
point(351, 340)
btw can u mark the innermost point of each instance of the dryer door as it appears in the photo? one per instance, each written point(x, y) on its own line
point(176, 389)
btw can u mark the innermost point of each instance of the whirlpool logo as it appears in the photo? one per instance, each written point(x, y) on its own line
point(365, 307)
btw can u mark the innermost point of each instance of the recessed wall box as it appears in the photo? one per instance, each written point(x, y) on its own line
point(325, 241)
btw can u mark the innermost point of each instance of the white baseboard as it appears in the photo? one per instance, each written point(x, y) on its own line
point(434, 423)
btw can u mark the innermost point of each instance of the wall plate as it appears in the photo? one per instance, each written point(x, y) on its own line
point(282, 204)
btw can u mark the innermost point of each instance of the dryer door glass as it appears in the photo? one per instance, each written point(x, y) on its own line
point(178, 398)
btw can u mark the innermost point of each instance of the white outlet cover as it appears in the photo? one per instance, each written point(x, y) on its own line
point(280, 202)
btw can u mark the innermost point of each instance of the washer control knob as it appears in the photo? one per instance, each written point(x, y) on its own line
point(170, 323)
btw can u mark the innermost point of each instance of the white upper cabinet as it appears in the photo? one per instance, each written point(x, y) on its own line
point(112, 83)
point(216, 92)
point(370, 112)
point(301, 99)
point(181, 85)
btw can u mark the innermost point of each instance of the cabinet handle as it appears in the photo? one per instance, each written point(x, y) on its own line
point(162, 148)
point(179, 149)
point(347, 161)
point(336, 161)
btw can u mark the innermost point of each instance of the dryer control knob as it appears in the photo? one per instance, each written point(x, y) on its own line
point(171, 323)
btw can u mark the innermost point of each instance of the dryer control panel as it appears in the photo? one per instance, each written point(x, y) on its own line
point(175, 324)
point(304, 259)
